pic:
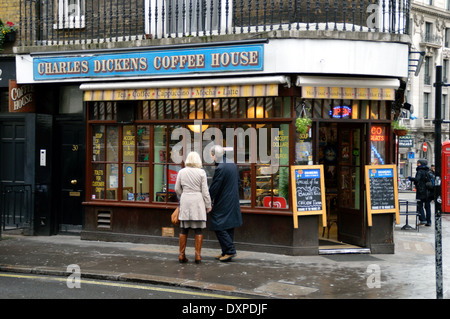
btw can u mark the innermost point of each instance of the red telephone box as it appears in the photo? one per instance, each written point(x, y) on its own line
point(445, 173)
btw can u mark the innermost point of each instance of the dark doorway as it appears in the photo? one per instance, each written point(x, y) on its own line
point(342, 152)
point(70, 174)
point(350, 170)
point(12, 150)
point(15, 195)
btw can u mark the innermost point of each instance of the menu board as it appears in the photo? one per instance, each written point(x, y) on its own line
point(381, 190)
point(308, 192)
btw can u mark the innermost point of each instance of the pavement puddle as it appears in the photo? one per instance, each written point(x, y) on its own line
point(285, 290)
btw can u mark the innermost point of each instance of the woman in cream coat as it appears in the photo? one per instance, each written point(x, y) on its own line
point(192, 188)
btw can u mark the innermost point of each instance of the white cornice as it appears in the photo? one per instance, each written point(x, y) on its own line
point(430, 10)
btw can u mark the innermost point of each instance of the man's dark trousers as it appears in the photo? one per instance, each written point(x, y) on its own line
point(226, 240)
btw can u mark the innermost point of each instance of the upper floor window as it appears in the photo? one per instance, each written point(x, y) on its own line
point(428, 31)
point(71, 14)
point(179, 18)
point(444, 106)
point(447, 37)
point(426, 105)
point(445, 70)
point(427, 73)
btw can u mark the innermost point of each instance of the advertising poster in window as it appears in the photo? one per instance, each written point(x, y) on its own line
point(308, 192)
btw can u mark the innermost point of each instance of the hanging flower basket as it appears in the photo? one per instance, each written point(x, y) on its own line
point(400, 132)
point(303, 124)
point(10, 37)
point(399, 129)
point(8, 31)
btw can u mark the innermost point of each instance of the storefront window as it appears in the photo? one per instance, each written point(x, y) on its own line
point(135, 168)
point(375, 110)
point(103, 111)
point(98, 182)
point(112, 143)
point(378, 142)
point(139, 162)
point(345, 109)
point(112, 178)
point(364, 108)
point(164, 169)
point(303, 148)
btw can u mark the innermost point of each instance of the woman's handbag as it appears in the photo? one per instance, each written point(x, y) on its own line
point(174, 217)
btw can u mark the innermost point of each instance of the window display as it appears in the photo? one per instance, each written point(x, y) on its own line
point(139, 162)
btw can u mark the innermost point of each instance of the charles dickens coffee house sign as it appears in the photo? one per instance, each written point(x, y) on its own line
point(193, 60)
point(21, 97)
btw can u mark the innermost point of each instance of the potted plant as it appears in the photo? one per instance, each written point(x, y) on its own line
point(399, 129)
point(9, 31)
point(303, 124)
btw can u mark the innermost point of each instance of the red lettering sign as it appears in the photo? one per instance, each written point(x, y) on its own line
point(377, 134)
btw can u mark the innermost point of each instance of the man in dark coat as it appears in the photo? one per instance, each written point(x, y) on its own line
point(226, 211)
point(424, 194)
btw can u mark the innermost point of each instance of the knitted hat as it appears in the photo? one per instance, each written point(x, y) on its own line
point(422, 162)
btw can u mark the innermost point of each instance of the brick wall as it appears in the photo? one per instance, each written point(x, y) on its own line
point(9, 11)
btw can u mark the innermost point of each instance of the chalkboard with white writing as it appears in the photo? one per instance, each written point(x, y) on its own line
point(308, 191)
point(381, 190)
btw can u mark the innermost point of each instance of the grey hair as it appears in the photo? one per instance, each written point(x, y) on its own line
point(193, 160)
point(217, 150)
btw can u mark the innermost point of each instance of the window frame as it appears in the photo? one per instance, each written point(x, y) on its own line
point(99, 114)
point(154, 20)
point(65, 20)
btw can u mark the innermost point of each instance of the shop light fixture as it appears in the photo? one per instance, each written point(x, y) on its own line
point(257, 113)
point(196, 128)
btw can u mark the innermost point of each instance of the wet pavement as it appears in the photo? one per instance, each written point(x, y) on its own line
point(409, 273)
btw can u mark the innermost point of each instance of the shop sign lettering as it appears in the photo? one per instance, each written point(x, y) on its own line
point(21, 97)
point(377, 134)
point(194, 60)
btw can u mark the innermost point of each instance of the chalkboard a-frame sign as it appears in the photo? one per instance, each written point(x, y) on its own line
point(308, 192)
point(381, 191)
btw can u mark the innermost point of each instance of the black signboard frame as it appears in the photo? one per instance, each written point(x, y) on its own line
point(316, 173)
point(371, 174)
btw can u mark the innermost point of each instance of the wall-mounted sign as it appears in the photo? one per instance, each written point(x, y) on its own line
point(312, 92)
point(193, 60)
point(21, 97)
point(405, 141)
point(183, 93)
